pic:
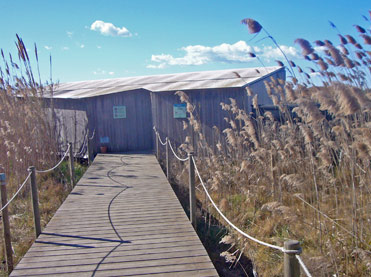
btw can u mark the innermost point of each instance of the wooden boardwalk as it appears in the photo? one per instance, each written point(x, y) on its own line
point(121, 219)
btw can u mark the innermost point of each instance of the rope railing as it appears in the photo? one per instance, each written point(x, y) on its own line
point(228, 221)
point(292, 252)
point(84, 146)
point(54, 167)
point(35, 201)
point(282, 249)
point(159, 139)
point(305, 269)
point(176, 156)
point(92, 136)
point(19, 189)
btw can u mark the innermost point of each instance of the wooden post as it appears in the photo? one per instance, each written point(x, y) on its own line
point(35, 201)
point(88, 147)
point(291, 264)
point(72, 168)
point(157, 146)
point(6, 225)
point(192, 191)
point(167, 159)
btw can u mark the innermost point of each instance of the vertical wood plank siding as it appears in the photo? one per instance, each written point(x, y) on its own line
point(132, 133)
point(207, 109)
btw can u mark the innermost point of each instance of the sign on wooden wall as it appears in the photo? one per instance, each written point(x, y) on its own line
point(104, 140)
point(119, 112)
point(180, 110)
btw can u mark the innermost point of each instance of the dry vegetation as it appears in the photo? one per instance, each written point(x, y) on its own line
point(27, 138)
point(305, 176)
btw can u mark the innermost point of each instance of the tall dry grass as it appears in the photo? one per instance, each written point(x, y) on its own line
point(305, 174)
point(27, 138)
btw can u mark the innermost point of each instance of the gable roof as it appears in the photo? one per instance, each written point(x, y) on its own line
point(167, 82)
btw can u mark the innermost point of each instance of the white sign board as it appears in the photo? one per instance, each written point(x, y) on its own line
point(180, 110)
point(119, 112)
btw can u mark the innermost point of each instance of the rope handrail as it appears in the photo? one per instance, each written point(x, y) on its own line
point(83, 149)
point(20, 188)
point(228, 221)
point(176, 156)
point(84, 144)
point(92, 136)
point(282, 249)
point(159, 138)
point(54, 167)
point(305, 269)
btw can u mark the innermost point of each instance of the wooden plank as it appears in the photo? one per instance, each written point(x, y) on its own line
point(123, 219)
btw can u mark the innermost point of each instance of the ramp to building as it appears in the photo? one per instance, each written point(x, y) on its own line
point(121, 219)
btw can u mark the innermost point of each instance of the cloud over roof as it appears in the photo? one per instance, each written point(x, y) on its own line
point(108, 29)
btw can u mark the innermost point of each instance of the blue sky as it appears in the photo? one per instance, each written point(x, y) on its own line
point(117, 38)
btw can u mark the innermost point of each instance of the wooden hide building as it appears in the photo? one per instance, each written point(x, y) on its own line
point(123, 111)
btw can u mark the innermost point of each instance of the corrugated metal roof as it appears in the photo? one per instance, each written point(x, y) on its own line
point(168, 82)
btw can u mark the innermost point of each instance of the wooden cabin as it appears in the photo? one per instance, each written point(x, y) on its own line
point(123, 111)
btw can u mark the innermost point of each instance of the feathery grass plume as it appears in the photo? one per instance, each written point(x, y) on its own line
point(290, 93)
point(322, 65)
point(249, 91)
point(359, 46)
point(344, 51)
point(255, 102)
point(312, 113)
point(360, 29)
point(330, 62)
point(279, 63)
point(363, 150)
point(348, 103)
point(319, 43)
point(269, 115)
point(307, 134)
point(359, 55)
point(366, 38)
point(183, 96)
point(361, 97)
point(351, 39)
point(252, 25)
point(305, 45)
point(314, 57)
point(343, 77)
point(268, 88)
point(343, 40)
point(252, 55)
point(335, 54)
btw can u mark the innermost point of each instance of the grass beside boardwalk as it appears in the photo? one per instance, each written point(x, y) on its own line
point(303, 173)
point(53, 189)
point(28, 138)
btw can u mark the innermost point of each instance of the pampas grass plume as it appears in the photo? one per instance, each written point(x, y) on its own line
point(252, 25)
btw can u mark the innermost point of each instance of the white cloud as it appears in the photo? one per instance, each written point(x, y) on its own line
point(48, 47)
point(103, 72)
point(225, 53)
point(69, 34)
point(65, 48)
point(108, 29)
point(99, 47)
point(269, 52)
point(82, 46)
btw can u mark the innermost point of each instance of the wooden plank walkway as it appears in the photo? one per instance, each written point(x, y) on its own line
point(121, 219)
